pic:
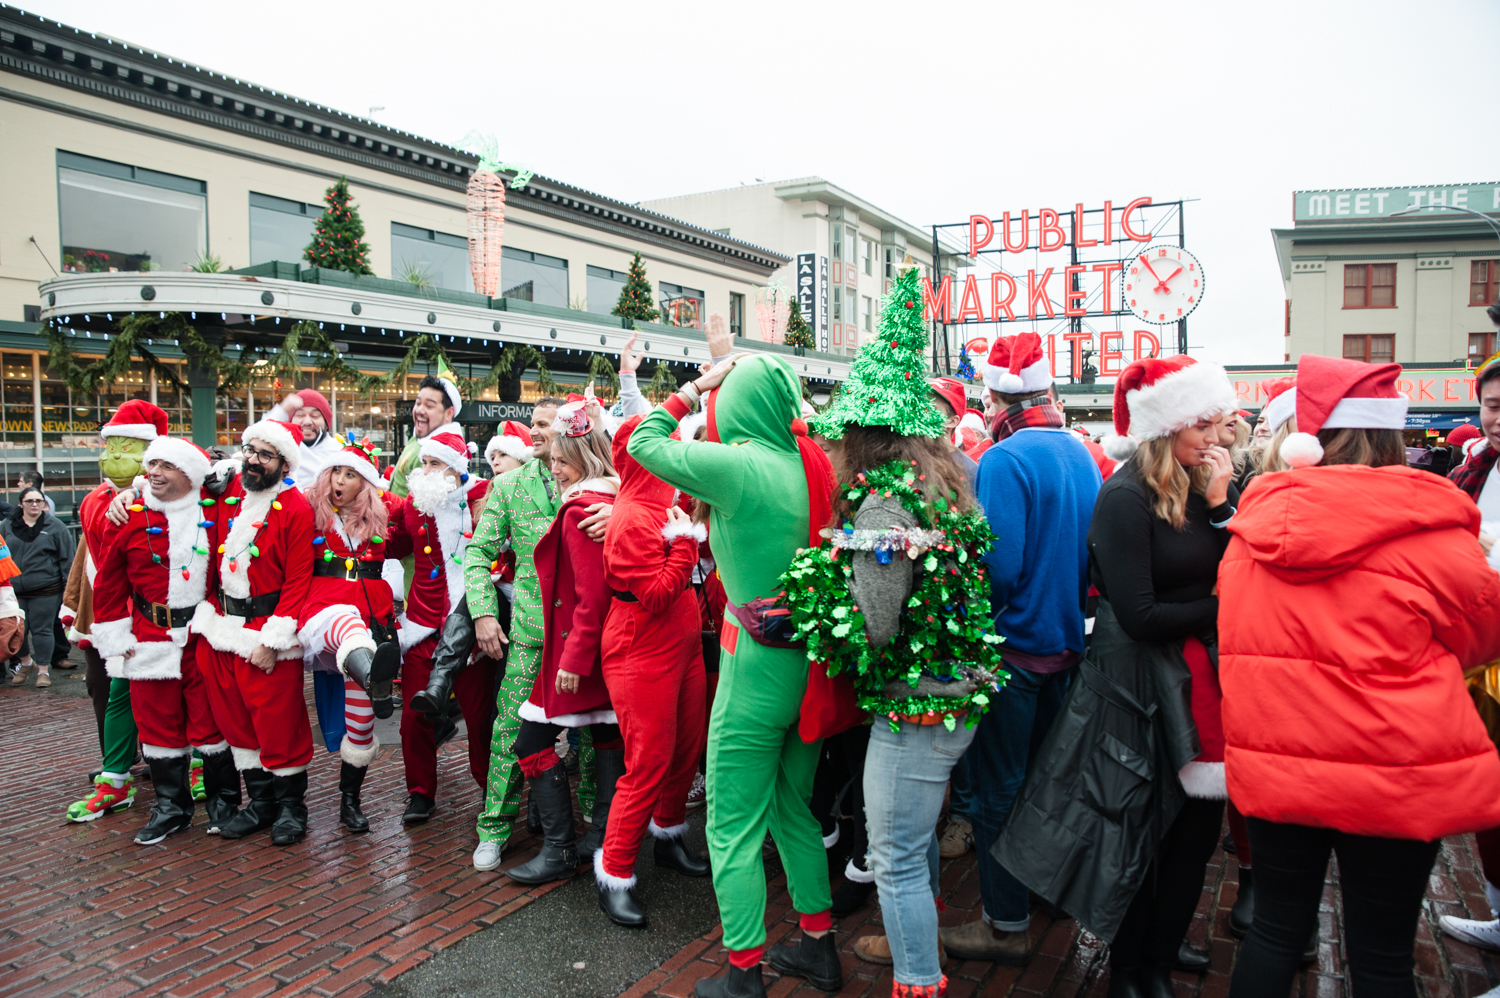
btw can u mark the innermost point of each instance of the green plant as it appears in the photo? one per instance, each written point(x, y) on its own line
point(578, 303)
point(416, 273)
point(662, 383)
point(207, 263)
point(635, 297)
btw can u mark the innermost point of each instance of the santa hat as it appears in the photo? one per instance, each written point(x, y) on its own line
point(1281, 401)
point(285, 437)
point(1158, 396)
point(1462, 435)
point(362, 457)
point(1017, 365)
point(1334, 393)
point(315, 400)
point(952, 392)
point(451, 449)
point(137, 419)
point(185, 456)
point(513, 440)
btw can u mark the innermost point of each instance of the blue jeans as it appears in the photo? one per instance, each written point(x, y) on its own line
point(1017, 721)
point(906, 773)
point(960, 789)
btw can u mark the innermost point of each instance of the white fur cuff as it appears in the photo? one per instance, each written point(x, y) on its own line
point(672, 832)
point(697, 531)
point(279, 633)
point(1204, 780)
point(246, 758)
point(356, 756)
point(161, 752)
point(352, 642)
point(608, 881)
point(113, 637)
point(154, 660)
point(219, 746)
point(858, 876)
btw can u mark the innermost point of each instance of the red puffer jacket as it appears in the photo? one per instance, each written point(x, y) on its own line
point(1351, 601)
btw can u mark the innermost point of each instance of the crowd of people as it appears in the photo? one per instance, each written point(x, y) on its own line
point(1095, 653)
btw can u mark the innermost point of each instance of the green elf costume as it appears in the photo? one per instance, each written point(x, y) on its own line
point(770, 490)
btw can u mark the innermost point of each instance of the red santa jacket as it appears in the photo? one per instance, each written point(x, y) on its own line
point(642, 554)
point(161, 554)
point(1342, 646)
point(97, 530)
point(330, 595)
point(263, 545)
point(437, 545)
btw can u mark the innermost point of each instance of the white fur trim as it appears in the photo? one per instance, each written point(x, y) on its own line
point(361, 467)
point(279, 634)
point(451, 390)
point(180, 454)
point(1470, 446)
point(183, 542)
point(113, 637)
point(228, 633)
point(452, 458)
point(289, 771)
point(1033, 378)
point(63, 612)
point(608, 486)
point(289, 447)
point(90, 570)
point(156, 659)
point(832, 839)
point(1301, 450)
point(114, 667)
point(1178, 400)
point(608, 881)
point(246, 758)
point(1119, 448)
point(1368, 414)
point(162, 752)
point(670, 832)
point(858, 876)
point(349, 644)
point(687, 428)
point(512, 447)
point(219, 746)
point(253, 508)
point(312, 633)
point(1280, 409)
point(451, 521)
point(355, 756)
point(410, 635)
point(1204, 780)
point(135, 431)
point(531, 712)
point(674, 530)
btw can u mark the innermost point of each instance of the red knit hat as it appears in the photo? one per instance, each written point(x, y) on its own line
point(137, 419)
point(451, 449)
point(1462, 434)
point(315, 400)
point(1017, 365)
point(513, 440)
point(1334, 393)
point(952, 392)
point(1157, 396)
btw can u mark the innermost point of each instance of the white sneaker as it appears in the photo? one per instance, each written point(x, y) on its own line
point(487, 856)
point(1484, 934)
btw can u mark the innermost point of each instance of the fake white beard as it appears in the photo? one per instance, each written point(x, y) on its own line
point(430, 491)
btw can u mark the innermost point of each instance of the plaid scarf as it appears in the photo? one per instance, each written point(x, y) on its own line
point(1471, 475)
point(1040, 411)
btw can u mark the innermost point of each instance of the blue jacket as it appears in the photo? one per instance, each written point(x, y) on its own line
point(1037, 487)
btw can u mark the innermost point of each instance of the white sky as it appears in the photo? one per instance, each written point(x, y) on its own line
point(931, 111)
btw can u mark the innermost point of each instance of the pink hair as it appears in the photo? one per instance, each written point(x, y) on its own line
point(365, 517)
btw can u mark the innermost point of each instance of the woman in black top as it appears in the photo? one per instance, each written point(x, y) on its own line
point(43, 550)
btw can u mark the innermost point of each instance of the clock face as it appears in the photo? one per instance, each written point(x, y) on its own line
point(1161, 284)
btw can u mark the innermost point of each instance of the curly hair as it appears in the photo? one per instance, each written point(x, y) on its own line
point(364, 517)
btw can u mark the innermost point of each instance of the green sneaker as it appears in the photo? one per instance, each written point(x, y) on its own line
point(196, 777)
point(107, 798)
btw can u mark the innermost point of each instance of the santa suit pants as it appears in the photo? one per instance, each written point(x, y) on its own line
point(173, 715)
point(653, 666)
point(474, 688)
point(262, 715)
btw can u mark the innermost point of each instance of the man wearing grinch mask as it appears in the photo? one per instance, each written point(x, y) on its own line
point(126, 437)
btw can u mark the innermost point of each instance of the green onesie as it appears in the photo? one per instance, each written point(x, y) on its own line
point(760, 773)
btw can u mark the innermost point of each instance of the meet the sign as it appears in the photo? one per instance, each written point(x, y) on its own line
point(1383, 202)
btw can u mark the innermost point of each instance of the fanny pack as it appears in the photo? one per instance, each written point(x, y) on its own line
point(767, 621)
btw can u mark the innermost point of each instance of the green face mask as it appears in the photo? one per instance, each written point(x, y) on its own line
point(120, 461)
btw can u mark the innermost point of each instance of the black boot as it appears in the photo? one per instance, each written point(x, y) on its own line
point(1125, 982)
point(419, 808)
point(815, 960)
point(259, 813)
point(1193, 960)
point(455, 644)
point(533, 817)
point(1243, 912)
point(374, 670)
point(735, 984)
point(1156, 982)
point(221, 782)
point(173, 810)
point(558, 859)
point(351, 778)
point(673, 853)
point(291, 809)
point(618, 900)
point(609, 766)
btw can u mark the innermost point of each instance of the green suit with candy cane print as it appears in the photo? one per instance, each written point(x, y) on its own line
point(760, 772)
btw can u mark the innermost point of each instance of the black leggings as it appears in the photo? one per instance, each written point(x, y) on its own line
point(842, 763)
point(1163, 906)
point(537, 736)
point(1383, 881)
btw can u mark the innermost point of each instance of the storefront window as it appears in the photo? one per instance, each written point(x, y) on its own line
point(280, 229)
point(19, 445)
point(119, 217)
point(533, 277)
point(681, 306)
point(604, 287)
point(430, 258)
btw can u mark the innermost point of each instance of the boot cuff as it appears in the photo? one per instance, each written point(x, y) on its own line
point(161, 752)
point(353, 754)
point(608, 881)
point(670, 832)
point(353, 641)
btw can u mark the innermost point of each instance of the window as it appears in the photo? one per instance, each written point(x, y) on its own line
point(1370, 285)
point(429, 258)
point(1482, 282)
point(533, 277)
point(838, 304)
point(836, 234)
point(869, 258)
point(280, 229)
point(681, 306)
point(890, 265)
point(604, 287)
point(1370, 349)
point(736, 314)
point(869, 311)
point(118, 217)
point(1481, 345)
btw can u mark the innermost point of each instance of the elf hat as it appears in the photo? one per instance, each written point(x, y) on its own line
point(137, 419)
point(513, 440)
point(450, 385)
point(185, 456)
point(362, 457)
point(1017, 365)
point(1281, 401)
point(1333, 394)
point(285, 437)
point(952, 392)
point(451, 449)
point(1157, 396)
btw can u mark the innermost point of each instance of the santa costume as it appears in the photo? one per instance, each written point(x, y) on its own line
point(263, 542)
point(653, 664)
point(434, 525)
point(151, 578)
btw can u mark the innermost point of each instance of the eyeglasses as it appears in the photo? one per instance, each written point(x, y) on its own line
point(34, 502)
point(259, 456)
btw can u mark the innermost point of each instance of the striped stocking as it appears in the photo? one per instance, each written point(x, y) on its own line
point(358, 745)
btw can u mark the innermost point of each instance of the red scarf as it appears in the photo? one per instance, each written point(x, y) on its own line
point(1040, 411)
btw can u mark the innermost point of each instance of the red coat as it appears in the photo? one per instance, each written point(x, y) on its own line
point(437, 550)
point(575, 599)
point(1352, 600)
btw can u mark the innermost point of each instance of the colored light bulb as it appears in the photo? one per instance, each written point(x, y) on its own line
point(201, 550)
point(234, 565)
point(258, 524)
point(185, 573)
point(287, 481)
point(494, 566)
point(156, 559)
point(153, 530)
point(327, 555)
point(275, 503)
point(377, 539)
point(318, 539)
point(348, 564)
point(432, 574)
point(221, 549)
point(137, 508)
point(254, 551)
point(206, 524)
point(468, 533)
point(427, 549)
point(232, 501)
point(422, 529)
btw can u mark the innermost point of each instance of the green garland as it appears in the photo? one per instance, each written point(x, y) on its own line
point(955, 630)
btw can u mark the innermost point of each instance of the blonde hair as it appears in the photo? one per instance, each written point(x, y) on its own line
point(1239, 451)
point(589, 453)
point(1167, 481)
point(1269, 459)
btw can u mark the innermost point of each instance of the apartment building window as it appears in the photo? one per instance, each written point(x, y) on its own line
point(869, 313)
point(533, 277)
point(890, 265)
point(280, 229)
point(427, 257)
point(681, 306)
point(1370, 285)
point(119, 217)
point(838, 304)
point(736, 314)
point(604, 287)
point(1481, 345)
point(1378, 349)
point(836, 235)
point(1483, 276)
point(869, 258)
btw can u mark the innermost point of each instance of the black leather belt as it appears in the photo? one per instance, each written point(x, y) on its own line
point(335, 569)
point(162, 615)
point(625, 597)
point(256, 606)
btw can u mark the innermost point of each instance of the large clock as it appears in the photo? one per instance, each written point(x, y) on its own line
point(1162, 284)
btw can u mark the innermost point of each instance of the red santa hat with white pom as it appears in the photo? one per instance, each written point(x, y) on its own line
point(1158, 396)
point(1017, 365)
point(513, 440)
point(450, 449)
point(1335, 394)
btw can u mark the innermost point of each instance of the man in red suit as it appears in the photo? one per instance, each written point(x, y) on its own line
point(263, 538)
point(152, 575)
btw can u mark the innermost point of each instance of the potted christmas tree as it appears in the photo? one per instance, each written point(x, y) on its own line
point(799, 335)
point(338, 238)
point(635, 296)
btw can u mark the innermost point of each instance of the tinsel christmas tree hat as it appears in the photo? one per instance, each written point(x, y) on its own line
point(887, 384)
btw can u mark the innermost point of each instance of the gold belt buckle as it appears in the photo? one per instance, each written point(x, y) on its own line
point(161, 616)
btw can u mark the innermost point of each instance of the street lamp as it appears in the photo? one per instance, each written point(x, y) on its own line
point(1449, 207)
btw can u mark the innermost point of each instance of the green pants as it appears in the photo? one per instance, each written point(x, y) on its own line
point(760, 776)
point(119, 730)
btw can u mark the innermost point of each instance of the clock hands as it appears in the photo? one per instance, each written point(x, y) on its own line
point(1161, 285)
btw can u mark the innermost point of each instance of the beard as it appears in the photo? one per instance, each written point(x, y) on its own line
point(430, 491)
point(258, 478)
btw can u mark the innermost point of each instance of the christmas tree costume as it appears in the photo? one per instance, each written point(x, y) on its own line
point(760, 771)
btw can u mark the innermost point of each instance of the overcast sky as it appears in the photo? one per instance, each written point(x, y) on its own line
point(931, 111)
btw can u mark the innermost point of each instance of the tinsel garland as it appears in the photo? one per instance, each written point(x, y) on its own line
point(955, 630)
